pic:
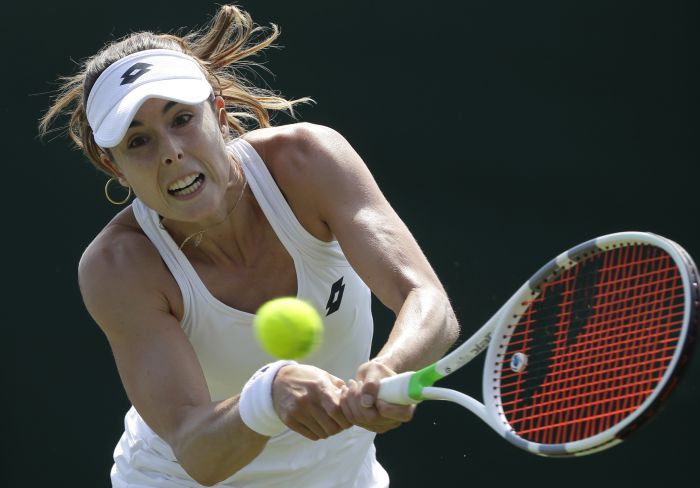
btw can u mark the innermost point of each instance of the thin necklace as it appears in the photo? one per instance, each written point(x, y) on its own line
point(197, 236)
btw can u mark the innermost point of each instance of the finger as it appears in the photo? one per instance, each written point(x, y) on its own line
point(366, 400)
point(302, 417)
point(369, 393)
point(337, 382)
point(350, 405)
point(328, 425)
point(316, 420)
point(330, 403)
point(364, 416)
point(302, 429)
point(333, 408)
point(327, 412)
point(344, 405)
point(370, 418)
point(400, 413)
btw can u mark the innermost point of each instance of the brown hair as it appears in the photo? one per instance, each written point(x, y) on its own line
point(221, 48)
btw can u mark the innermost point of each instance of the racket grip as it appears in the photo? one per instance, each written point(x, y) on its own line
point(395, 389)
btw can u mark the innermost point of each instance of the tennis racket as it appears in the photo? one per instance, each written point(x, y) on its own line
point(583, 353)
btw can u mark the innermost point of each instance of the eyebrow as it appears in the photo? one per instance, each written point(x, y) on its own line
point(168, 106)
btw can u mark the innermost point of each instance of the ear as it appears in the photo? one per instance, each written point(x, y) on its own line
point(222, 116)
point(112, 168)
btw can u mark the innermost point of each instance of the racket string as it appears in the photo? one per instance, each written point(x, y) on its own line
point(584, 365)
point(631, 336)
point(594, 364)
point(530, 302)
point(610, 313)
point(597, 383)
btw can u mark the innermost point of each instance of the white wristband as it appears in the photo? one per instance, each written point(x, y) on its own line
point(255, 404)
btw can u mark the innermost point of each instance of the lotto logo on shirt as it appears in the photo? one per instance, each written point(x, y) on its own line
point(335, 297)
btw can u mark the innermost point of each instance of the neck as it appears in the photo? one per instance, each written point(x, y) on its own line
point(195, 238)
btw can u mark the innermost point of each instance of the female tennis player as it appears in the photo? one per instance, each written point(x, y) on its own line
point(229, 213)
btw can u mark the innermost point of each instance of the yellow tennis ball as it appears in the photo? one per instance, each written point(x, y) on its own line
point(288, 328)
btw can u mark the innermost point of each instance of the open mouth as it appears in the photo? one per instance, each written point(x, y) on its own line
point(185, 186)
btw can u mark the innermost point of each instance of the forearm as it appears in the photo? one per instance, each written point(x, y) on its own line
point(424, 330)
point(213, 443)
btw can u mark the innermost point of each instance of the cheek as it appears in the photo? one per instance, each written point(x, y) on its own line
point(139, 175)
point(211, 126)
point(134, 162)
point(210, 145)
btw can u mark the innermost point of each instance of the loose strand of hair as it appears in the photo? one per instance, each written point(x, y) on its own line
point(229, 23)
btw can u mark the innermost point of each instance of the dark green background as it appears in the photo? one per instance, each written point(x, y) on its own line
point(502, 131)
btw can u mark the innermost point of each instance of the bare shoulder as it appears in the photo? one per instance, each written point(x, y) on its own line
point(291, 151)
point(307, 161)
point(120, 271)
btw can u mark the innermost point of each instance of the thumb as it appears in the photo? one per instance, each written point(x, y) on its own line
point(369, 394)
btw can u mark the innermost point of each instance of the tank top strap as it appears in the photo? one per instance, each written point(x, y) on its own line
point(278, 212)
point(174, 259)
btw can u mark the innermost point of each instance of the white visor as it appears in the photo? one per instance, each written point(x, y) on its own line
point(122, 88)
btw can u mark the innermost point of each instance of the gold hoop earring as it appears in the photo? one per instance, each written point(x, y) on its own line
point(110, 199)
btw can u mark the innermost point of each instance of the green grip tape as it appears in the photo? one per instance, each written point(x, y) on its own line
point(421, 379)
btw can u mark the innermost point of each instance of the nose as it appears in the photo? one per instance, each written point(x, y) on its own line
point(170, 151)
point(177, 157)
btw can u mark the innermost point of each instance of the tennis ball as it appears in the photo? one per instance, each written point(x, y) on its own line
point(288, 328)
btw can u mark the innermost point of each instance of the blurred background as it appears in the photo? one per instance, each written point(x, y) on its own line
point(503, 132)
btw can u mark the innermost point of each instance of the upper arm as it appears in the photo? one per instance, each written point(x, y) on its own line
point(124, 286)
point(325, 174)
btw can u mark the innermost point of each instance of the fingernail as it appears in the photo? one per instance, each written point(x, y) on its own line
point(367, 401)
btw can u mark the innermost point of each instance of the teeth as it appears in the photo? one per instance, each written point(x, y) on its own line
point(182, 183)
point(190, 189)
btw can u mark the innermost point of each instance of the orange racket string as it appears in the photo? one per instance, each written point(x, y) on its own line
point(586, 377)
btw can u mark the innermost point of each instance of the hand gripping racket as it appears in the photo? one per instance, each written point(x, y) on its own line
point(583, 353)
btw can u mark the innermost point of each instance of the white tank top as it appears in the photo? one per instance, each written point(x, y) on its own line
point(223, 340)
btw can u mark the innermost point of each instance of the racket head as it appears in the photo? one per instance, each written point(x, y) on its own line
point(593, 344)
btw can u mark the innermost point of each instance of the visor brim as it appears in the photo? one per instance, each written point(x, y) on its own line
point(117, 121)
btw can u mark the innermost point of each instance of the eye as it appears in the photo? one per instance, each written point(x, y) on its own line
point(182, 119)
point(137, 141)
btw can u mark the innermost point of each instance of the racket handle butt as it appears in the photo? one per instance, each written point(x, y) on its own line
point(395, 389)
